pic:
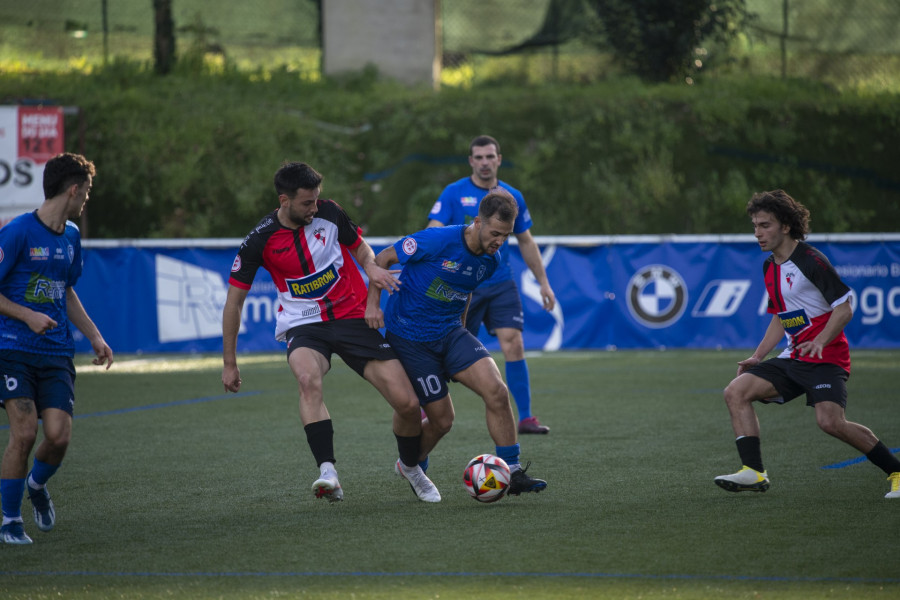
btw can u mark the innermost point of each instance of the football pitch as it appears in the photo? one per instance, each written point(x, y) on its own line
point(173, 489)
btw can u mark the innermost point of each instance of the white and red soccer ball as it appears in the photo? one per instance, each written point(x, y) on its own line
point(486, 478)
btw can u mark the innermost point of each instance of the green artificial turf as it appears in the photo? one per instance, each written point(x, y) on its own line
point(173, 489)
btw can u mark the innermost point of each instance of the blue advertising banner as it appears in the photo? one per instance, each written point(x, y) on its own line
point(624, 292)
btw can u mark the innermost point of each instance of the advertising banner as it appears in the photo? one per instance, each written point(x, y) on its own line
point(29, 137)
point(613, 293)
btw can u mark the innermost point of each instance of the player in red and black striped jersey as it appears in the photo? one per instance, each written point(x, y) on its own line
point(810, 306)
point(308, 247)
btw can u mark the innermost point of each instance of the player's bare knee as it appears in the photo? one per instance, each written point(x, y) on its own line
point(57, 443)
point(830, 425)
point(442, 425)
point(734, 396)
point(408, 411)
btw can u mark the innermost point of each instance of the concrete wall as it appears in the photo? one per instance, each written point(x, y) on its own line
point(400, 37)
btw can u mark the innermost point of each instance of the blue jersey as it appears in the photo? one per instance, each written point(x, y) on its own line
point(439, 272)
point(458, 205)
point(36, 267)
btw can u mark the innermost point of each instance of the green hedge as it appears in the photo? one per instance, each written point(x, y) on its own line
point(193, 154)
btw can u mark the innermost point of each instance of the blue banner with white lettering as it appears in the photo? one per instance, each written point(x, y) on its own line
point(665, 293)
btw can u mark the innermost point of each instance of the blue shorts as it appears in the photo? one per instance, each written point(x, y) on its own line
point(47, 380)
point(496, 306)
point(430, 365)
point(821, 382)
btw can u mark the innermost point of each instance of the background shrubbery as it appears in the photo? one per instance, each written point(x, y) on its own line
point(193, 154)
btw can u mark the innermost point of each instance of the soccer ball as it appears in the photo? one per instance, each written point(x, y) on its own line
point(486, 478)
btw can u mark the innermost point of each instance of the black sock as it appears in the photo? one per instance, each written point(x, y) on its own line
point(320, 437)
point(748, 450)
point(881, 457)
point(409, 447)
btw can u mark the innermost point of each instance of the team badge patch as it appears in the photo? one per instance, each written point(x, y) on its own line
point(409, 246)
point(657, 296)
point(236, 265)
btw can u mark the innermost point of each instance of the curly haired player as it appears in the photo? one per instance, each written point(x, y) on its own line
point(810, 305)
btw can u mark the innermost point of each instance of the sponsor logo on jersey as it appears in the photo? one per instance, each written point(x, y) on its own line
point(794, 321)
point(314, 286)
point(58, 254)
point(721, 298)
point(657, 296)
point(440, 291)
point(39, 253)
point(409, 246)
point(450, 265)
point(43, 291)
point(469, 201)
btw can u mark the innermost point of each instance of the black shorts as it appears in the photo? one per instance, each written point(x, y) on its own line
point(821, 382)
point(351, 339)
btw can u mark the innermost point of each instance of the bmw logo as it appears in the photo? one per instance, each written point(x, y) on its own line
point(657, 296)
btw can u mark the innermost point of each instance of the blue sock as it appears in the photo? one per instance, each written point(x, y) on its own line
point(510, 454)
point(519, 386)
point(424, 464)
point(41, 472)
point(11, 491)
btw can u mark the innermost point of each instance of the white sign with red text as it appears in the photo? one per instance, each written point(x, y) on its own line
point(29, 137)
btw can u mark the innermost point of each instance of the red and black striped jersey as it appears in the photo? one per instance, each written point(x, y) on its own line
point(312, 267)
point(802, 292)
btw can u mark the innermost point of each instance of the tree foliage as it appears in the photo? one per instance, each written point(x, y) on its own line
point(659, 40)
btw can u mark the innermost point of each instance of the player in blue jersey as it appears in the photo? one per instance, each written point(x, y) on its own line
point(496, 303)
point(424, 322)
point(40, 261)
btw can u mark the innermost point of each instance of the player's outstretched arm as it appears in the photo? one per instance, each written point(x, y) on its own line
point(837, 320)
point(80, 319)
point(773, 335)
point(379, 276)
point(531, 254)
point(231, 325)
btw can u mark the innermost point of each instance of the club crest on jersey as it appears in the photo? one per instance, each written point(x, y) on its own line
point(314, 286)
point(409, 246)
point(789, 278)
point(319, 234)
point(794, 321)
point(236, 265)
point(480, 274)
